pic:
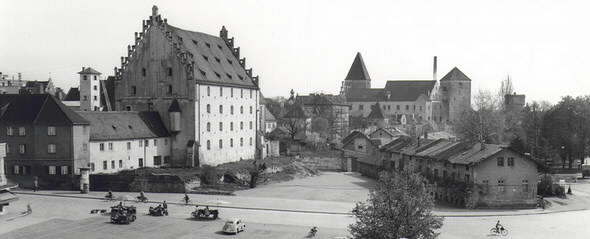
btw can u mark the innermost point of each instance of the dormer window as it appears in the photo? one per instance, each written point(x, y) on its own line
point(195, 42)
point(218, 60)
point(207, 44)
point(206, 58)
point(220, 47)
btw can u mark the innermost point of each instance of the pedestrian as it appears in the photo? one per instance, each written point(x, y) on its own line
point(164, 204)
point(35, 184)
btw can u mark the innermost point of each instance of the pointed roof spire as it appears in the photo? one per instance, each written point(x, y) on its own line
point(455, 75)
point(358, 71)
point(155, 11)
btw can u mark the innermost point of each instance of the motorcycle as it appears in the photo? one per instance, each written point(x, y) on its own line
point(499, 231)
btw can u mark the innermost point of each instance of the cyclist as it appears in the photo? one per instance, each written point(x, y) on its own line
point(186, 199)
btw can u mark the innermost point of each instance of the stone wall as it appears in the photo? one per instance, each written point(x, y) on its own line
point(134, 183)
point(324, 163)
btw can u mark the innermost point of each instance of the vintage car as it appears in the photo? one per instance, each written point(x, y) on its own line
point(158, 211)
point(123, 214)
point(205, 213)
point(233, 225)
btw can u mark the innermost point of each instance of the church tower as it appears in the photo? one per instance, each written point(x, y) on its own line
point(89, 89)
point(455, 91)
point(358, 76)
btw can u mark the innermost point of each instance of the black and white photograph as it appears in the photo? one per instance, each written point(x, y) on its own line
point(328, 119)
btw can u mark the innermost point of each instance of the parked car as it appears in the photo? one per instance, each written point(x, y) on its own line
point(233, 225)
point(123, 214)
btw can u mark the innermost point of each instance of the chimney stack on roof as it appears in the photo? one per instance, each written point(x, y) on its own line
point(434, 69)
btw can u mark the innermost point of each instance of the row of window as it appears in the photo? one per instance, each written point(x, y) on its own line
point(168, 71)
point(509, 161)
point(502, 187)
point(22, 148)
point(231, 92)
point(51, 170)
point(23, 132)
point(85, 77)
point(231, 126)
point(231, 109)
point(141, 144)
point(231, 143)
point(86, 98)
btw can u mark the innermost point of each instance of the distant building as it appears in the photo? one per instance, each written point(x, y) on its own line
point(199, 85)
point(415, 100)
point(359, 142)
point(72, 99)
point(38, 87)
point(89, 89)
point(127, 140)
point(11, 85)
point(44, 139)
point(514, 101)
point(332, 108)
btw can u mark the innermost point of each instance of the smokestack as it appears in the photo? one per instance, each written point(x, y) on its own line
point(434, 69)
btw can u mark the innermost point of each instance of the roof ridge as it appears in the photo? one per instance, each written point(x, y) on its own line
point(40, 110)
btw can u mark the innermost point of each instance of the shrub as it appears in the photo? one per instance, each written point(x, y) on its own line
point(209, 175)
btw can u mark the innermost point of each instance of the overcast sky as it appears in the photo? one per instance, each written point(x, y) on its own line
point(309, 46)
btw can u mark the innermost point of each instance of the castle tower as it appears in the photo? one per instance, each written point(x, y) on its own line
point(455, 91)
point(89, 89)
point(358, 76)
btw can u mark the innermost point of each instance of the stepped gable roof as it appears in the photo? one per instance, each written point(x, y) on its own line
point(455, 75)
point(89, 70)
point(73, 94)
point(358, 71)
point(376, 112)
point(364, 95)
point(37, 109)
point(407, 90)
point(215, 62)
point(120, 125)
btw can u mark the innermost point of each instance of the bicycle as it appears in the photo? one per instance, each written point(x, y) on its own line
point(185, 201)
point(499, 231)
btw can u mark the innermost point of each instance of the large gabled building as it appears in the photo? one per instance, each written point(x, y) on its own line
point(44, 139)
point(414, 100)
point(200, 87)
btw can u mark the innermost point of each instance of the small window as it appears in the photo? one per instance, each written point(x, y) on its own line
point(232, 92)
point(95, 87)
point(241, 93)
point(92, 167)
point(220, 91)
point(133, 91)
point(241, 109)
point(501, 186)
point(101, 147)
point(85, 147)
point(231, 109)
point(251, 110)
point(231, 126)
point(128, 145)
point(241, 125)
point(95, 78)
point(250, 94)
point(525, 185)
point(143, 72)
point(169, 71)
point(155, 142)
point(165, 141)
point(231, 142)
point(140, 143)
point(110, 146)
point(112, 164)
point(120, 163)
point(208, 144)
point(221, 109)
point(220, 144)
point(85, 77)
point(250, 141)
point(95, 97)
point(128, 108)
point(510, 161)
point(140, 161)
point(208, 91)
point(8, 148)
point(250, 124)
point(104, 165)
point(169, 89)
point(407, 107)
point(147, 143)
point(22, 131)
point(500, 162)
point(52, 170)
point(9, 131)
point(220, 126)
point(51, 148)
point(64, 170)
point(208, 127)
point(51, 130)
point(208, 108)
point(241, 141)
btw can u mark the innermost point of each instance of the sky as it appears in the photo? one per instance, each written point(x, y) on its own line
point(309, 46)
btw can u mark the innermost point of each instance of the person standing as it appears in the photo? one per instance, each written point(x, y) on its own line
point(35, 184)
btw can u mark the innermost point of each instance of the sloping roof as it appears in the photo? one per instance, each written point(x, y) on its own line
point(376, 112)
point(357, 134)
point(118, 125)
point(89, 70)
point(358, 71)
point(73, 94)
point(109, 83)
point(37, 109)
point(36, 83)
point(455, 75)
point(212, 57)
point(476, 153)
point(398, 144)
point(359, 95)
point(407, 90)
point(268, 115)
point(297, 111)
